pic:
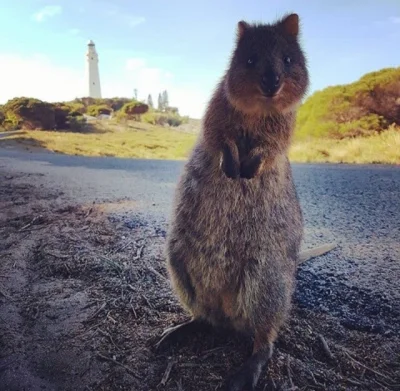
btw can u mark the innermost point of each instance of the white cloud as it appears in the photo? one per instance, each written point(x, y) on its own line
point(135, 20)
point(115, 12)
point(153, 80)
point(395, 19)
point(37, 77)
point(74, 31)
point(47, 12)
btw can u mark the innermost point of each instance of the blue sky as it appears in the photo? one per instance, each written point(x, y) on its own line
point(177, 45)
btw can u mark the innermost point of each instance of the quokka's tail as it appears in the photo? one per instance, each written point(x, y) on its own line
point(315, 252)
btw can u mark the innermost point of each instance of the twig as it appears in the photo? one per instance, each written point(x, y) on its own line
point(120, 248)
point(156, 273)
point(95, 313)
point(111, 318)
point(124, 246)
point(385, 387)
point(139, 253)
point(194, 365)
point(6, 365)
point(167, 372)
point(316, 382)
point(36, 218)
point(121, 365)
point(326, 347)
point(179, 385)
point(109, 337)
point(289, 372)
point(354, 382)
point(134, 312)
point(61, 256)
point(211, 351)
point(88, 212)
point(147, 301)
point(367, 368)
point(6, 295)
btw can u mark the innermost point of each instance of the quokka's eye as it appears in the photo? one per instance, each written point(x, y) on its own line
point(287, 60)
point(251, 61)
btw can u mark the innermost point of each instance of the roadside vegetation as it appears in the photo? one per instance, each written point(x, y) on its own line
point(353, 123)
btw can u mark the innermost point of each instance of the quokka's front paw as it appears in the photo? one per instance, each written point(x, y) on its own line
point(250, 167)
point(229, 165)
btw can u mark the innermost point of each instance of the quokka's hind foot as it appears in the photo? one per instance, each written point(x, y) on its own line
point(176, 333)
point(247, 376)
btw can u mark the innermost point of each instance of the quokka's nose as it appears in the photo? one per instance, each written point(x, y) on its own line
point(270, 83)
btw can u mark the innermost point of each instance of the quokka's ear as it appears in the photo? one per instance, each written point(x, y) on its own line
point(290, 24)
point(242, 26)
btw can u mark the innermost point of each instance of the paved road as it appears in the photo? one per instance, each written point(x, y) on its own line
point(356, 206)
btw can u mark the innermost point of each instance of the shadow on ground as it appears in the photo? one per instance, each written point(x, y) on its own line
point(20, 139)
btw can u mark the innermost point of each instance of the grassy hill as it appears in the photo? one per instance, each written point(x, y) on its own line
point(363, 108)
point(353, 123)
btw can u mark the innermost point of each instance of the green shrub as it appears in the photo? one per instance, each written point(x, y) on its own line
point(29, 113)
point(174, 121)
point(76, 107)
point(156, 118)
point(2, 117)
point(362, 108)
point(61, 113)
point(76, 123)
point(133, 110)
point(96, 110)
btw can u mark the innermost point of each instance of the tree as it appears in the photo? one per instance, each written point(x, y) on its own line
point(165, 99)
point(150, 101)
point(160, 102)
point(135, 93)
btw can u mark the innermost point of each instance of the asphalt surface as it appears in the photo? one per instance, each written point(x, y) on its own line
point(355, 206)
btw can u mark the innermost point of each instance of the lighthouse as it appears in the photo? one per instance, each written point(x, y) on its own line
point(92, 69)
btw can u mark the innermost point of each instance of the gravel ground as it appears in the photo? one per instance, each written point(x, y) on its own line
point(83, 293)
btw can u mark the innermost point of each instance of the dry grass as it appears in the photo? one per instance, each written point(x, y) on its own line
point(141, 140)
point(133, 139)
point(383, 148)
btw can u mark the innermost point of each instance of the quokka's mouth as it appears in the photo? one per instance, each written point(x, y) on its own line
point(275, 95)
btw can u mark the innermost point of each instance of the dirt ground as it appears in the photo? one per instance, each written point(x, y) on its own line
point(84, 295)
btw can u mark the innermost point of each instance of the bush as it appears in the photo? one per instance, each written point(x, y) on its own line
point(2, 117)
point(67, 118)
point(133, 110)
point(76, 124)
point(173, 110)
point(156, 118)
point(75, 107)
point(96, 110)
point(61, 116)
point(117, 103)
point(174, 121)
point(29, 113)
point(362, 108)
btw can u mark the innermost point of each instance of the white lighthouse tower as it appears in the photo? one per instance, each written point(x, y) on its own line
point(92, 69)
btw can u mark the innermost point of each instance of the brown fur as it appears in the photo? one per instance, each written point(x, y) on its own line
point(235, 234)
